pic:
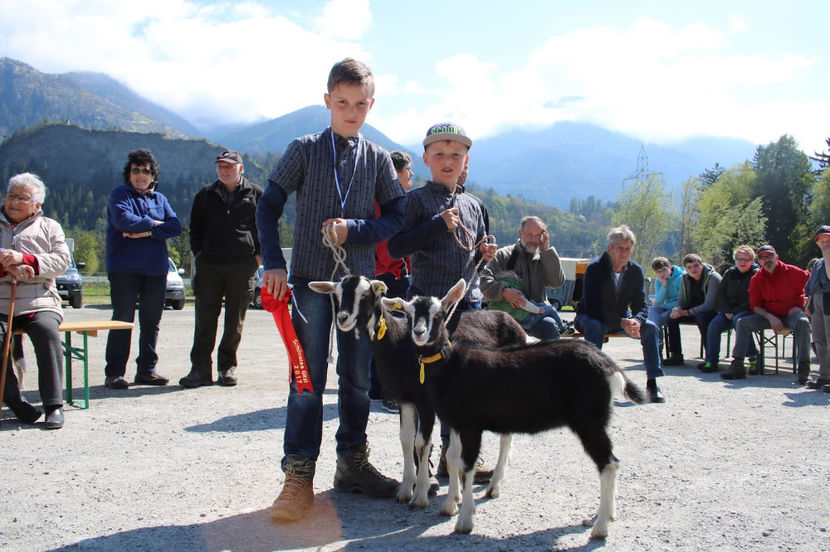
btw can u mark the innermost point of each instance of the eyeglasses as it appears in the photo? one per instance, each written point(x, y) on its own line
point(743, 259)
point(15, 197)
point(136, 170)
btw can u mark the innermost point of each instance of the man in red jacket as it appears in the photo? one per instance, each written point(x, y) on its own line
point(776, 297)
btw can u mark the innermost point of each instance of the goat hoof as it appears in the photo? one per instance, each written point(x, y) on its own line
point(493, 491)
point(419, 503)
point(601, 535)
point(449, 509)
point(463, 528)
point(404, 498)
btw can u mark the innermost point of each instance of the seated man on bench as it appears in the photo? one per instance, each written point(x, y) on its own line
point(696, 303)
point(614, 301)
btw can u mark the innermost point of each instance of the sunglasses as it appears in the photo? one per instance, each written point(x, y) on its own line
point(136, 170)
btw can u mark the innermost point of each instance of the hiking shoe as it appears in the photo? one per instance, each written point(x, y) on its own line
point(356, 475)
point(195, 379)
point(151, 378)
point(736, 370)
point(390, 406)
point(674, 360)
point(708, 367)
point(116, 382)
point(483, 473)
point(755, 369)
point(297, 493)
point(226, 378)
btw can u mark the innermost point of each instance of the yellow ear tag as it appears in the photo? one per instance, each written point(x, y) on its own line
point(381, 328)
point(422, 373)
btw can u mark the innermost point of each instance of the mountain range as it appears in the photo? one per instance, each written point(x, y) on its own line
point(550, 165)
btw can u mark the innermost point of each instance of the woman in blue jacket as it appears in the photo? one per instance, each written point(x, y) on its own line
point(666, 291)
point(139, 223)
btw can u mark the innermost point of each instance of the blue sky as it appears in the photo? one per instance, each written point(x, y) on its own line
point(660, 71)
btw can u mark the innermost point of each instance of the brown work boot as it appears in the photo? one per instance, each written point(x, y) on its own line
point(483, 473)
point(356, 475)
point(736, 370)
point(297, 493)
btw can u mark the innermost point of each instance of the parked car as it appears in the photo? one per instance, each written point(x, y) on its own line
point(70, 284)
point(174, 296)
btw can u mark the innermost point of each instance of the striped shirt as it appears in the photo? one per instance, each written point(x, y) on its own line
point(437, 260)
point(307, 168)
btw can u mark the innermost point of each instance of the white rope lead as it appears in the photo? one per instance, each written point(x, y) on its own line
point(339, 256)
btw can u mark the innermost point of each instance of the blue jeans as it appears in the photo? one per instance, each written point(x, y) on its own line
point(544, 325)
point(595, 331)
point(717, 326)
point(755, 322)
point(304, 419)
point(661, 316)
point(125, 291)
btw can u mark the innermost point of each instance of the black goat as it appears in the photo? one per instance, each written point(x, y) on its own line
point(359, 308)
point(521, 389)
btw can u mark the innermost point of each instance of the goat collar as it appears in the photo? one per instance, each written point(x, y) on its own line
point(442, 354)
point(381, 327)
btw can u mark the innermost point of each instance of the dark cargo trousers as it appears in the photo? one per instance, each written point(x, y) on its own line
point(213, 281)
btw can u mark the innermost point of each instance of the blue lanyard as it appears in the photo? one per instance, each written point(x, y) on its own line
point(344, 199)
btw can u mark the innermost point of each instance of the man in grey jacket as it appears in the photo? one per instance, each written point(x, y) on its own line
point(697, 300)
point(515, 280)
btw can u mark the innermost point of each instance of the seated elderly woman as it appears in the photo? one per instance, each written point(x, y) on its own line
point(33, 254)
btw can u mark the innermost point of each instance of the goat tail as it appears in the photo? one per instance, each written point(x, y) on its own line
point(623, 387)
point(633, 391)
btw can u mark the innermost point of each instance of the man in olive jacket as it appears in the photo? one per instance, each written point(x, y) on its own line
point(223, 238)
point(536, 264)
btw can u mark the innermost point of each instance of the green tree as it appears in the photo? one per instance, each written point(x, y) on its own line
point(729, 215)
point(87, 248)
point(690, 191)
point(645, 207)
point(784, 183)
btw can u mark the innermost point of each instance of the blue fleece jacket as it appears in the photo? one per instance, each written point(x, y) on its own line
point(131, 211)
point(666, 296)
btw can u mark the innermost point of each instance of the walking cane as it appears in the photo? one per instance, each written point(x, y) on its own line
point(7, 341)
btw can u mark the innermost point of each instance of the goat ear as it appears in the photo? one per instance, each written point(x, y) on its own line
point(394, 303)
point(323, 287)
point(379, 288)
point(454, 295)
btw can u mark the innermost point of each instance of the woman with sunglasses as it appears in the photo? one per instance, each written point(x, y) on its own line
point(139, 223)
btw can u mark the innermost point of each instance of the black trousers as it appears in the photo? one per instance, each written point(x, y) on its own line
point(233, 281)
point(42, 329)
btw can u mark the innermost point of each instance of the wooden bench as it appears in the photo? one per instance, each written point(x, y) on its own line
point(70, 352)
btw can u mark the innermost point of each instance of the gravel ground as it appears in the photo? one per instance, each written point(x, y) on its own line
point(719, 466)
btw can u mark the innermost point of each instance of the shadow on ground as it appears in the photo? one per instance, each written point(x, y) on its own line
point(337, 522)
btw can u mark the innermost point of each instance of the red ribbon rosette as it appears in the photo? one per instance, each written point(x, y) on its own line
point(296, 356)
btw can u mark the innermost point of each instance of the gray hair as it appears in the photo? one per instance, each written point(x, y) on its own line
point(30, 181)
point(621, 234)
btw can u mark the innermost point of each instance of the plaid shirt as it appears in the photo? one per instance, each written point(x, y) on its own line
point(437, 259)
point(307, 168)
